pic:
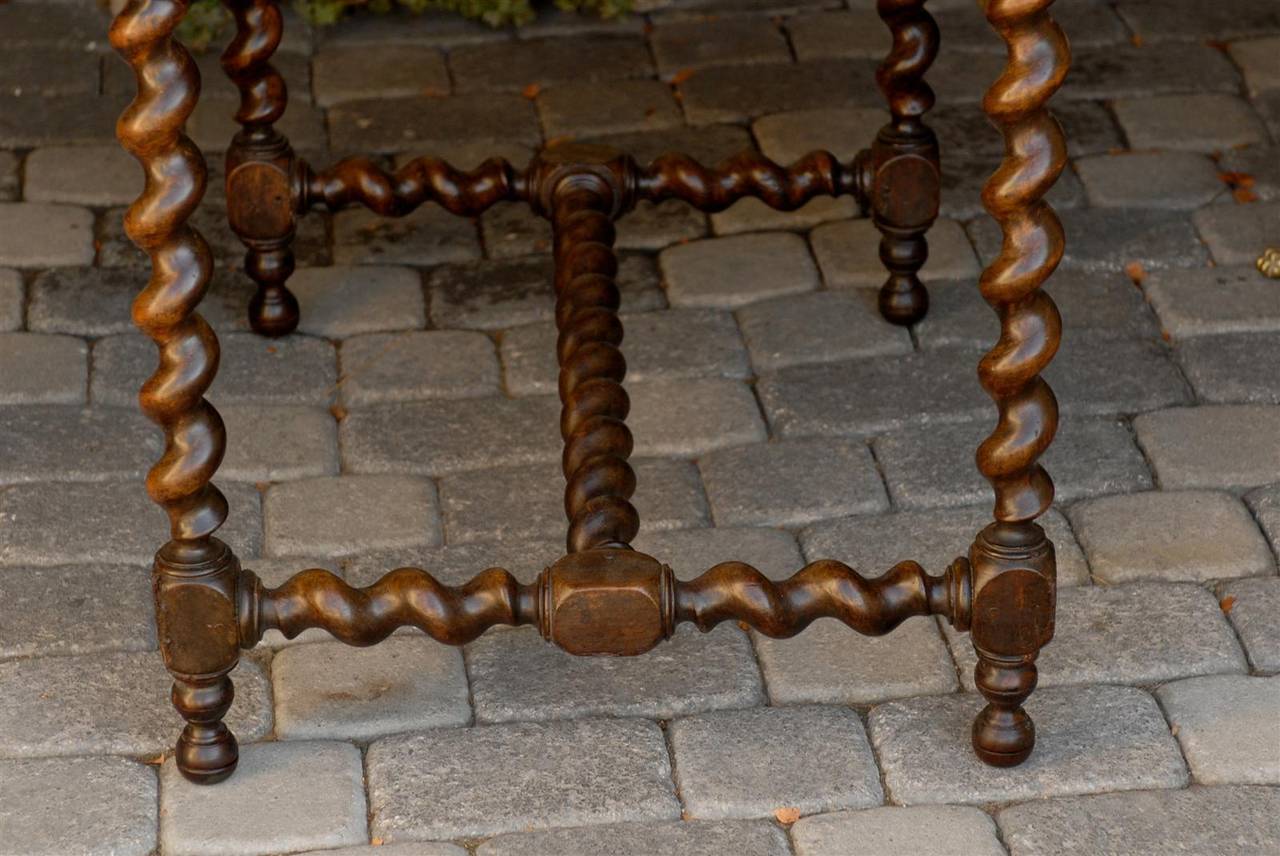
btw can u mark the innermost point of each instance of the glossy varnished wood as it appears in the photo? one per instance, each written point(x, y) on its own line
point(602, 597)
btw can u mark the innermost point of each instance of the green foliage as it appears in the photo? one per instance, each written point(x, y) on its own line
point(207, 18)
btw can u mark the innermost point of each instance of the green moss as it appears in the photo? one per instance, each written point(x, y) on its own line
point(207, 19)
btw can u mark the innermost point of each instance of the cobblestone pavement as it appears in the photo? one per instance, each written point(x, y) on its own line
point(777, 419)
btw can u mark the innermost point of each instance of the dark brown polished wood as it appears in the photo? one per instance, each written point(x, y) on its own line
point(602, 598)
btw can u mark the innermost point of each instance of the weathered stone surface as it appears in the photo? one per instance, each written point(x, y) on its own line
point(1147, 823)
point(338, 302)
point(108, 704)
point(1252, 606)
point(1181, 180)
point(266, 444)
point(283, 796)
point(540, 63)
point(686, 418)
point(377, 512)
point(1187, 20)
point(55, 806)
point(497, 295)
point(875, 395)
point(734, 94)
point(1256, 59)
point(1106, 376)
point(55, 369)
point(478, 781)
point(428, 236)
point(1142, 633)
point(1122, 744)
point(401, 71)
point(1178, 535)
point(792, 483)
point(75, 610)
point(528, 502)
point(690, 552)
point(441, 437)
point(1213, 300)
point(82, 175)
point(518, 676)
point(331, 691)
point(809, 758)
point(820, 327)
point(849, 254)
point(253, 370)
point(1201, 122)
point(672, 344)
point(1204, 447)
point(1136, 71)
point(417, 124)
point(830, 663)
point(679, 46)
point(415, 365)
point(1228, 727)
point(1234, 232)
point(72, 443)
point(935, 466)
point(729, 272)
point(932, 538)
point(613, 107)
point(707, 838)
point(11, 300)
point(36, 234)
point(919, 830)
point(115, 523)
point(1111, 239)
point(1233, 369)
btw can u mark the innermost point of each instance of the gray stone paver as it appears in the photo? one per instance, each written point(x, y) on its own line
point(1170, 535)
point(316, 799)
point(757, 485)
point(890, 830)
point(1212, 447)
point(1122, 744)
point(108, 704)
point(809, 758)
point(1151, 104)
point(75, 610)
point(707, 838)
point(1245, 820)
point(1252, 606)
point(517, 676)
point(331, 691)
point(519, 776)
point(1141, 633)
point(55, 806)
point(1227, 726)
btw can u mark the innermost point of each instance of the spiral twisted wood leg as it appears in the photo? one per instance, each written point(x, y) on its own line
point(1014, 572)
point(261, 166)
point(194, 574)
point(905, 183)
point(599, 479)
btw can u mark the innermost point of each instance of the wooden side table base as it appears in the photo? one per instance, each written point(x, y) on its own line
point(603, 597)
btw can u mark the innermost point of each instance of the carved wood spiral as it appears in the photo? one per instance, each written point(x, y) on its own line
point(264, 95)
point(748, 174)
point(599, 479)
point(193, 568)
point(359, 181)
point(405, 597)
point(1014, 566)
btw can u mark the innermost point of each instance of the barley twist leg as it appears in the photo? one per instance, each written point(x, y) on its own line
point(1014, 572)
point(261, 166)
point(194, 573)
point(905, 185)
